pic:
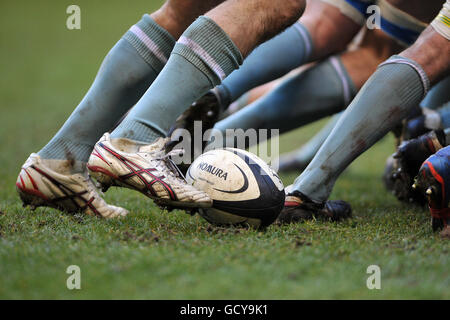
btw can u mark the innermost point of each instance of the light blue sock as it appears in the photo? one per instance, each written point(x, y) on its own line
point(307, 152)
point(126, 72)
point(237, 105)
point(438, 95)
point(398, 85)
point(203, 56)
point(271, 60)
point(323, 90)
point(444, 113)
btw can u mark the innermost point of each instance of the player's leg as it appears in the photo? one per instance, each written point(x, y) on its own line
point(320, 91)
point(205, 112)
point(398, 85)
point(360, 64)
point(176, 15)
point(438, 95)
point(250, 97)
point(273, 59)
point(430, 115)
point(209, 50)
point(432, 180)
point(126, 72)
point(299, 159)
point(325, 38)
point(311, 38)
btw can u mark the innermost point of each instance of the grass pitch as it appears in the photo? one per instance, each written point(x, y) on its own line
point(152, 254)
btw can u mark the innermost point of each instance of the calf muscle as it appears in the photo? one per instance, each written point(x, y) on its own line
point(432, 52)
point(176, 15)
point(249, 23)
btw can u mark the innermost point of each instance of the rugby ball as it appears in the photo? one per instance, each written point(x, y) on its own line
point(244, 189)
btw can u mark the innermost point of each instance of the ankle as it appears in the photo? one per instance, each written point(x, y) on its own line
point(65, 166)
point(137, 131)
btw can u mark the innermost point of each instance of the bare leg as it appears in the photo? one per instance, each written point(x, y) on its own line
point(359, 64)
point(207, 52)
point(392, 91)
point(331, 31)
point(322, 90)
point(311, 38)
point(251, 22)
point(385, 99)
point(375, 47)
point(127, 71)
point(432, 52)
point(176, 15)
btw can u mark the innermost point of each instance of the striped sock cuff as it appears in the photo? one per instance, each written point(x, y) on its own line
point(209, 48)
point(306, 37)
point(402, 60)
point(348, 86)
point(152, 42)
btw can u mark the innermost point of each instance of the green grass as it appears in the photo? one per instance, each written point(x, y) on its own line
point(46, 69)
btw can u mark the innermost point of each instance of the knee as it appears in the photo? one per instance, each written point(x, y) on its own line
point(330, 30)
point(292, 10)
point(176, 15)
point(178, 9)
point(279, 15)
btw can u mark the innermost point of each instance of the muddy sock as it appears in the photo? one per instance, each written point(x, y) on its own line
point(126, 72)
point(392, 91)
point(203, 56)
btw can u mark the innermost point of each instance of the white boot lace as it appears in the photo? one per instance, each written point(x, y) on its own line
point(165, 161)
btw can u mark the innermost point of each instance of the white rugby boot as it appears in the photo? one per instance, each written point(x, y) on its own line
point(146, 168)
point(52, 183)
